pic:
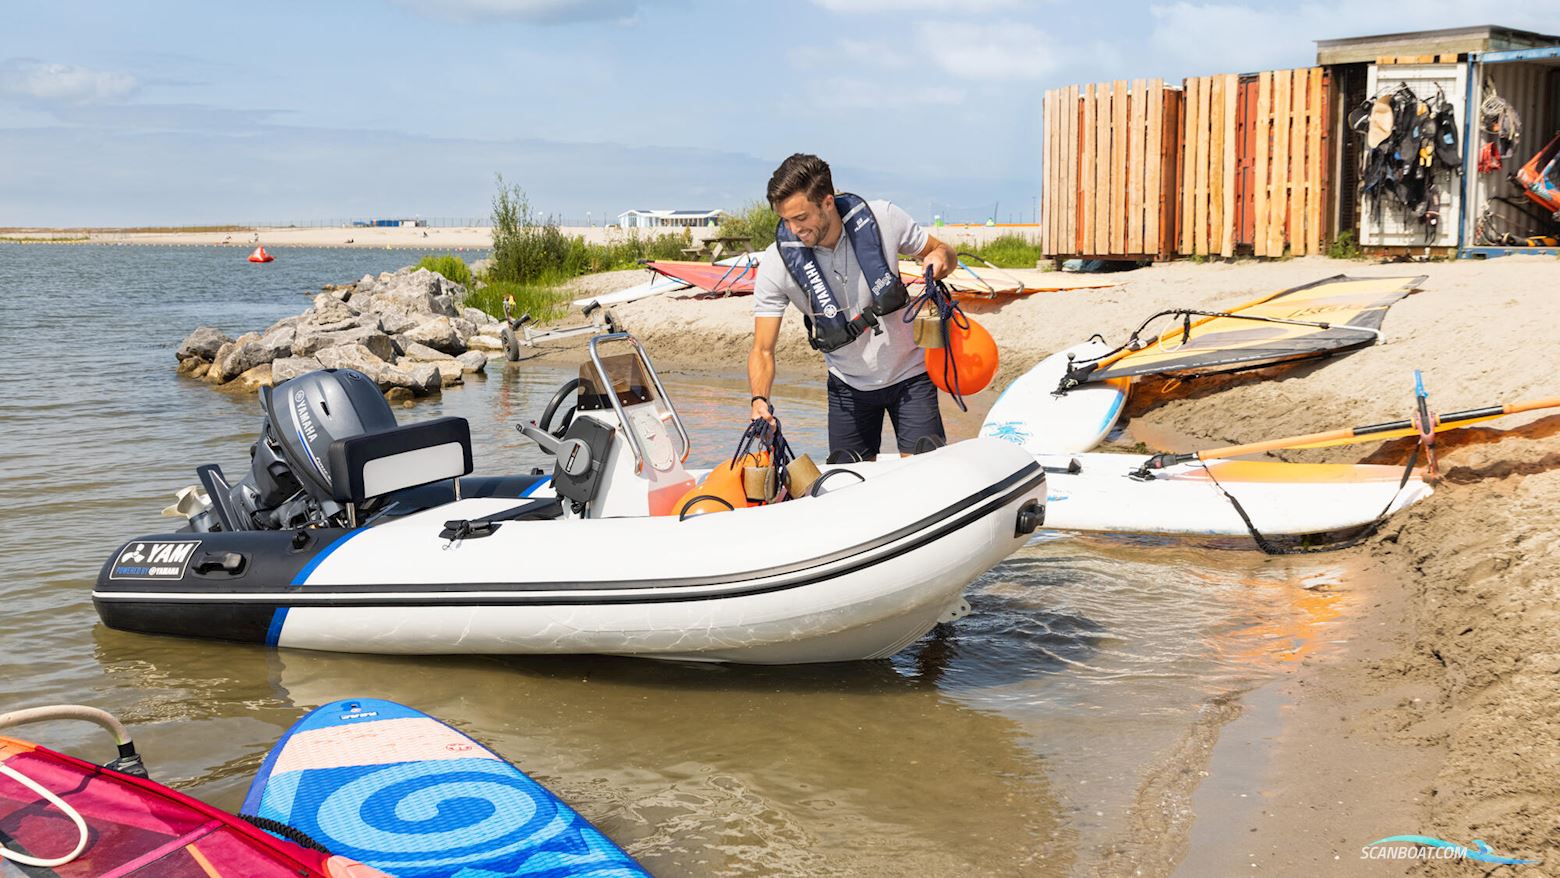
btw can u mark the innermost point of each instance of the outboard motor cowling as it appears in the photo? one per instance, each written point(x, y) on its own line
point(304, 415)
point(289, 481)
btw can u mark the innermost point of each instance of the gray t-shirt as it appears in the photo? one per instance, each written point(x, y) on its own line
point(874, 360)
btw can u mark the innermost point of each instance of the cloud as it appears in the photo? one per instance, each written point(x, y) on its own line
point(899, 7)
point(847, 93)
point(37, 81)
point(1000, 50)
point(1236, 37)
point(534, 11)
point(863, 53)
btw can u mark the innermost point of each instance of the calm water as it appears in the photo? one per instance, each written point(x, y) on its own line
point(1014, 745)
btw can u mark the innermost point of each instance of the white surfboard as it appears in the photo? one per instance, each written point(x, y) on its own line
point(1096, 492)
point(1031, 413)
point(1282, 499)
point(636, 292)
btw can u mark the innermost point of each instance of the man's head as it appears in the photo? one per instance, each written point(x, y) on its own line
point(801, 190)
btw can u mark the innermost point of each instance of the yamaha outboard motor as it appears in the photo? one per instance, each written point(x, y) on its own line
point(289, 482)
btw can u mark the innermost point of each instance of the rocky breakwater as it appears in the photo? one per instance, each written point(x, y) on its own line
point(406, 330)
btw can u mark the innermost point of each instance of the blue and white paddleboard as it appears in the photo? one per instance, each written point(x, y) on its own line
point(403, 792)
point(1030, 413)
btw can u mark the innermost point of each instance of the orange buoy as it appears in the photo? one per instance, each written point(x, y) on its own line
point(722, 489)
point(974, 354)
point(260, 255)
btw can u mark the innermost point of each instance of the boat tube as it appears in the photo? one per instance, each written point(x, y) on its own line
point(354, 534)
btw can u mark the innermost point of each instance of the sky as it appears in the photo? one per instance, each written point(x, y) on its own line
point(187, 113)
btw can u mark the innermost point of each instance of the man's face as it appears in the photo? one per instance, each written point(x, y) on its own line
point(809, 221)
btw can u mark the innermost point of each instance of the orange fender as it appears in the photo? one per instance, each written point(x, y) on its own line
point(725, 483)
point(974, 351)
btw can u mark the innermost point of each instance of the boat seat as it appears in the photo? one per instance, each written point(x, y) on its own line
point(374, 464)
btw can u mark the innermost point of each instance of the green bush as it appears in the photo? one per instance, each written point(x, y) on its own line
point(452, 267)
point(1344, 246)
point(542, 300)
point(1008, 251)
point(756, 222)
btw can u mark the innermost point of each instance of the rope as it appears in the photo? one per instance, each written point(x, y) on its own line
point(934, 294)
point(1364, 533)
point(56, 801)
point(760, 436)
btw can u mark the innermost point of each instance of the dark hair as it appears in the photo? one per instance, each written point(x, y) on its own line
point(800, 173)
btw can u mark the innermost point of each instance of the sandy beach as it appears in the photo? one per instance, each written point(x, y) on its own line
point(1430, 707)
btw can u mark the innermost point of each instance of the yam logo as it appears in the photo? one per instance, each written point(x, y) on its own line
point(149, 560)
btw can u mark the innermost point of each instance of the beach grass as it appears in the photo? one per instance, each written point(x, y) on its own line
point(451, 266)
point(544, 300)
point(532, 257)
point(1008, 251)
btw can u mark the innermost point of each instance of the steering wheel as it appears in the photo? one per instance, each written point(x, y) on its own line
point(545, 421)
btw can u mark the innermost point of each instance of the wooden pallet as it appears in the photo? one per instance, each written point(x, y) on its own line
point(1110, 169)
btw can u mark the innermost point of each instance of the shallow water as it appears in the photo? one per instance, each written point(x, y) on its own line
point(1014, 743)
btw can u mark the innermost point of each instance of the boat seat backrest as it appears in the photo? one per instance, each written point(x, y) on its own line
point(374, 464)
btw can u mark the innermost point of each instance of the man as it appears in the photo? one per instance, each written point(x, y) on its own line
point(836, 260)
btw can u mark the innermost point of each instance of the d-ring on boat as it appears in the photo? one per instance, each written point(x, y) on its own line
point(355, 534)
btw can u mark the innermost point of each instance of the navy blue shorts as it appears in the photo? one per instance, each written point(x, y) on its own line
point(856, 416)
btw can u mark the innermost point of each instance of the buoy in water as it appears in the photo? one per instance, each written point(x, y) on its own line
point(974, 354)
point(260, 255)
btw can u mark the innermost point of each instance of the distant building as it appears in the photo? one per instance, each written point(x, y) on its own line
point(661, 219)
point(389, 223)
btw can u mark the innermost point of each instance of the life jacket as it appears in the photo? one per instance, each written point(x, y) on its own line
point(830, 327)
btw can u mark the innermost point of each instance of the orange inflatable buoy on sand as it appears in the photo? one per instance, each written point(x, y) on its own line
point(974, 354)
point(722, 489)
point(260, 255)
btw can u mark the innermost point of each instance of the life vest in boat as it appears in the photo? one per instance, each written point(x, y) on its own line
point(830, 326)
point(722, 490)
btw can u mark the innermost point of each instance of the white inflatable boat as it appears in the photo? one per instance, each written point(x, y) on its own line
point(354, 534)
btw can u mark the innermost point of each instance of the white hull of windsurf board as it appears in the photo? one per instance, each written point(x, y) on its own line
point(1031, 413)
point(1282, 499)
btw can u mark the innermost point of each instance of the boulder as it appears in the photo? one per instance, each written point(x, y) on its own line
point(188, 365)
point(278, 342)
point(450, 372)
point(254, 379)
point(202, 343)
point(477, 316)
point(485, 343)
point(200, 370)
point(240, 358)
point(309, 326)
point(420, 378)
point(394, 322)
point(283, 323)
point(375, 342)
point(353, 356)
point(399, 395)
point(415, 351)
point(329, 309)
point(472, 361)
point(417, 292)
point(286, 368)
point(439, 334)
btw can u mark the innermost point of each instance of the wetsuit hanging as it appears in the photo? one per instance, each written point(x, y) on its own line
point(830, 327)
